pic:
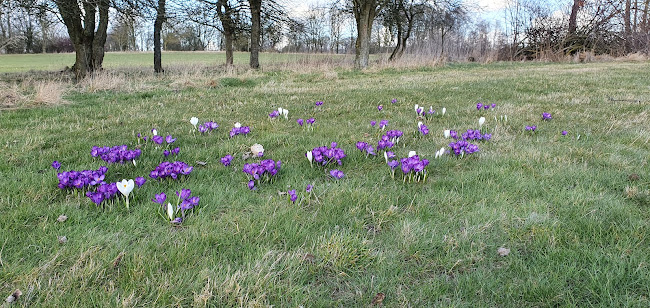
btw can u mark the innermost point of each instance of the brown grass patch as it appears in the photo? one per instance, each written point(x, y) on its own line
point(49, 93)
point(11, 96)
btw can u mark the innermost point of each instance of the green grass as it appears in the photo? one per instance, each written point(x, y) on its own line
point(113, 60)
point(577, 227)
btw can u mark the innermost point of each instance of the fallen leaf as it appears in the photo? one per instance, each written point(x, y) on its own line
point(62, 218)
point(378, 299)
point(502, 251)
point(201, 163)
point(116, 263)
point(309, 258)
point(14, 296)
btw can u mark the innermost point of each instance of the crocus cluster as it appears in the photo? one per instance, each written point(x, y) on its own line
point(531, 128)
point(481, 106)
point(239, 130)
point(389, 139)
point(325, 155)
point(413, 168)
point(81, 179)
point(208, 127)
point(365, 147)
point(462, 147)
point(309, 121)
point(337, 174)
point(262, 172)
point(170, 170)
point(104, 192)
point(116, 154)
point(546, 116)
point(471, 134)
point(184, 203)
point(174, 151)
point(226, 160)
point(382, 124)
point(319, 103)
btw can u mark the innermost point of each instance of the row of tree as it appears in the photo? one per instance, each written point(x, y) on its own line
point(524, 29)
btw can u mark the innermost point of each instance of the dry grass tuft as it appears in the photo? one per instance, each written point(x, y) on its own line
point(49, 93)
point(105, 81)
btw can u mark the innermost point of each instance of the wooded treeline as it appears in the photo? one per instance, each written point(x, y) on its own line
point(522, 29)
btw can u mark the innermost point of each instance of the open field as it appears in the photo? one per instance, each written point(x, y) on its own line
point(573, 210)
point(115, 60)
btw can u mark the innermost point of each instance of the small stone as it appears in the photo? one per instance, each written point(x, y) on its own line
point(62, 239)
point(503, 251)
point(62, 218)
point(10, 299)
point(634, 177)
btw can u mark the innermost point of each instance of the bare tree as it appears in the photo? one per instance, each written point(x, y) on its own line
point(87, 22)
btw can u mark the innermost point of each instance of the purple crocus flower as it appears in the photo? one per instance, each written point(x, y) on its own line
point(362, 145)
point(251, 185)
point(493, 105)
point(393, 164)
point(56, 165)
point(373, 123)
point(203, 129)
point(309, 188)
point(393, 101)
point(383, 123)
point(226, 160)
point(169, 139)
point(157, 139)
point(166, 153)
point(300, 122)
point(424, 129)
point(140, 181)
point(319, 103)
point(160, 198)
point(337, 174)
point(292, 195)
point(274, 114)
point(184, 193)
point(564, 133)
point(546, 116)
point(311, 121)
point(486, 106)
point(380, 107)
point(176, 150)
point(177, 220)
point(390, 154)
point(479, 106)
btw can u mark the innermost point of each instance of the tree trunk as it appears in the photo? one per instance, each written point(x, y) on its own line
point(157, 46)
point(364, 15)
point(225, 13)
point(256, 23)
point(573, 17)
point(88, 42)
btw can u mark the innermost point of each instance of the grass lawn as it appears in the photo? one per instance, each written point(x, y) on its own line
point(573, 210)
point(115, 60)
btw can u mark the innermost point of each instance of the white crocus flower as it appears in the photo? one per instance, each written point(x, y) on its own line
point(447, 133)
point(310, 157)
point(386, 156)
point(416, 108)
point(481, 121)
point(237, 125)
point(505, 117)
point(442, 151)
point(412, 153)
point(170, 211)
point(286, 114)
point(125, 187)
point(444, 110)
point(154, 132)
point(280, 109)
point(420, 124)
point(194, 121)
point(257, 150)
